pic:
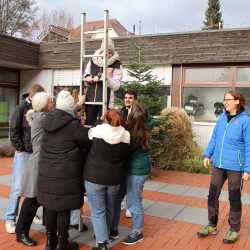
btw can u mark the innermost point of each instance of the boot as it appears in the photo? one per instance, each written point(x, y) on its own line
point(64, 244)
point(101, 246)
point(51, 241)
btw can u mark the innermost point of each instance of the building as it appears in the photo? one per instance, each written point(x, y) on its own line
point(196, 67)
point(60, 34)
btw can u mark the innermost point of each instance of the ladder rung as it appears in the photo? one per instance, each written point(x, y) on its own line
point(90, 56)
point(94, 103)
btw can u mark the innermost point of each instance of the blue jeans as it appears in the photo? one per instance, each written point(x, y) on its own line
point(101, 200)
point(135, 185)
point(74, 217)
point(19, 165)
point(117, 208)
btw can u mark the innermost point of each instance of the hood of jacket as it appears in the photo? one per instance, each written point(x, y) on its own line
point(56, 120)
point(110, 134)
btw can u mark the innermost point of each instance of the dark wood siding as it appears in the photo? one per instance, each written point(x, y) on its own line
point(224, 46)
point(19, 52)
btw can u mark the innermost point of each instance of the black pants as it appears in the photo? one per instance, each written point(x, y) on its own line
point(26, 216)
point(219, 176)
point(57, 222)
point(93, 112)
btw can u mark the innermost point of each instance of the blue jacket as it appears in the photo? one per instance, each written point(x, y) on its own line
point(229, 147)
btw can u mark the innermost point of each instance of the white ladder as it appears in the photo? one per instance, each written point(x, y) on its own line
point(104, 56)
point(83, 55)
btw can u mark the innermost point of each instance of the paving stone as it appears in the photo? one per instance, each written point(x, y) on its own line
point(3, 205)
point(154, 186)
point(175, 189)
point(246, 199)
point(164, 210)
point(197, 192)
point(5, 180)
point(147, 203)
point(2, 213)
point(193, 215)
point(87, 237)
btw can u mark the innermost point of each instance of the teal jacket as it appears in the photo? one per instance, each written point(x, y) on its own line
point(139, 162)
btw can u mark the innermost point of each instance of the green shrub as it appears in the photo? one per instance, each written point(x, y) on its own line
point(7, 151)
point(173, 145)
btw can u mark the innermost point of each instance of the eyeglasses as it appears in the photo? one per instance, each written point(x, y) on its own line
point(227, 100)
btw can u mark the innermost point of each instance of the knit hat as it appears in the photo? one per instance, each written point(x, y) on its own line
point(111, 45)
point(65, 101)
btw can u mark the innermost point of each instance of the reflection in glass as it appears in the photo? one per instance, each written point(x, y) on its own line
point(8, 98)
point(204, 104)
point(207, 75)
point(243, 75)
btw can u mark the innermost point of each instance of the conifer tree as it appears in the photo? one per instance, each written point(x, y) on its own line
point(213, 15)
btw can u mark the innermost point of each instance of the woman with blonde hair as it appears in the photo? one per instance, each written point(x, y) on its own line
point(41, 103)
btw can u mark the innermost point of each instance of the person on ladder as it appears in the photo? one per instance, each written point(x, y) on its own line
point(93, 81)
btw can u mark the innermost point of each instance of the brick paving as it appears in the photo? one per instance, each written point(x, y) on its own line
point(160, 233)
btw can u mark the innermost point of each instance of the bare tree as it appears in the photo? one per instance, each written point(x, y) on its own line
point(56, 17)
point(16, 16)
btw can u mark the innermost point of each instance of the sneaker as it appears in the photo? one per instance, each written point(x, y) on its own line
point(128, 214)
point(101, 246)
point(114, 235)
point(10, 226)
point(133, 239)
point(231, 237)
point(37, 220)
point(207, 231)
point(76, 226)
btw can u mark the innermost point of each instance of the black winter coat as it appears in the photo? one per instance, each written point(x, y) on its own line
point(105, 164)
point(20, 136)
point(63, 149)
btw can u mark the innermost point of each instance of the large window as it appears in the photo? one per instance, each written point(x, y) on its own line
point(204, 88)
point(8, 100)
point(204, 104)
point(203, 91)
point(207, 75)
point(9, 84)
point(243, 74)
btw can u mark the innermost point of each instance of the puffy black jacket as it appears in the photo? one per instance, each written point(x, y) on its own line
point(19, 128)
point(63, 149)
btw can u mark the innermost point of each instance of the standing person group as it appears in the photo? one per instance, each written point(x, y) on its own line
point(56, 170)
point(41, 104)
point(229, 154)
point(20, 138)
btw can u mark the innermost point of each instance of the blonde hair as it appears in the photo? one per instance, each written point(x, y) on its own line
point(39, 102)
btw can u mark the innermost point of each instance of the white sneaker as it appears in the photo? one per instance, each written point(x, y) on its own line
point(128, 214)
point(37, 220)
point(10, 226)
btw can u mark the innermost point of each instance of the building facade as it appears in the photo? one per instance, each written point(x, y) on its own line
point(197, 68)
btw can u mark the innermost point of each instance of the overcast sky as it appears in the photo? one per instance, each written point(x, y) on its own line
point(157, 16)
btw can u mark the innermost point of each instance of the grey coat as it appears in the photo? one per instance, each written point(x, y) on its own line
point(30, 176)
